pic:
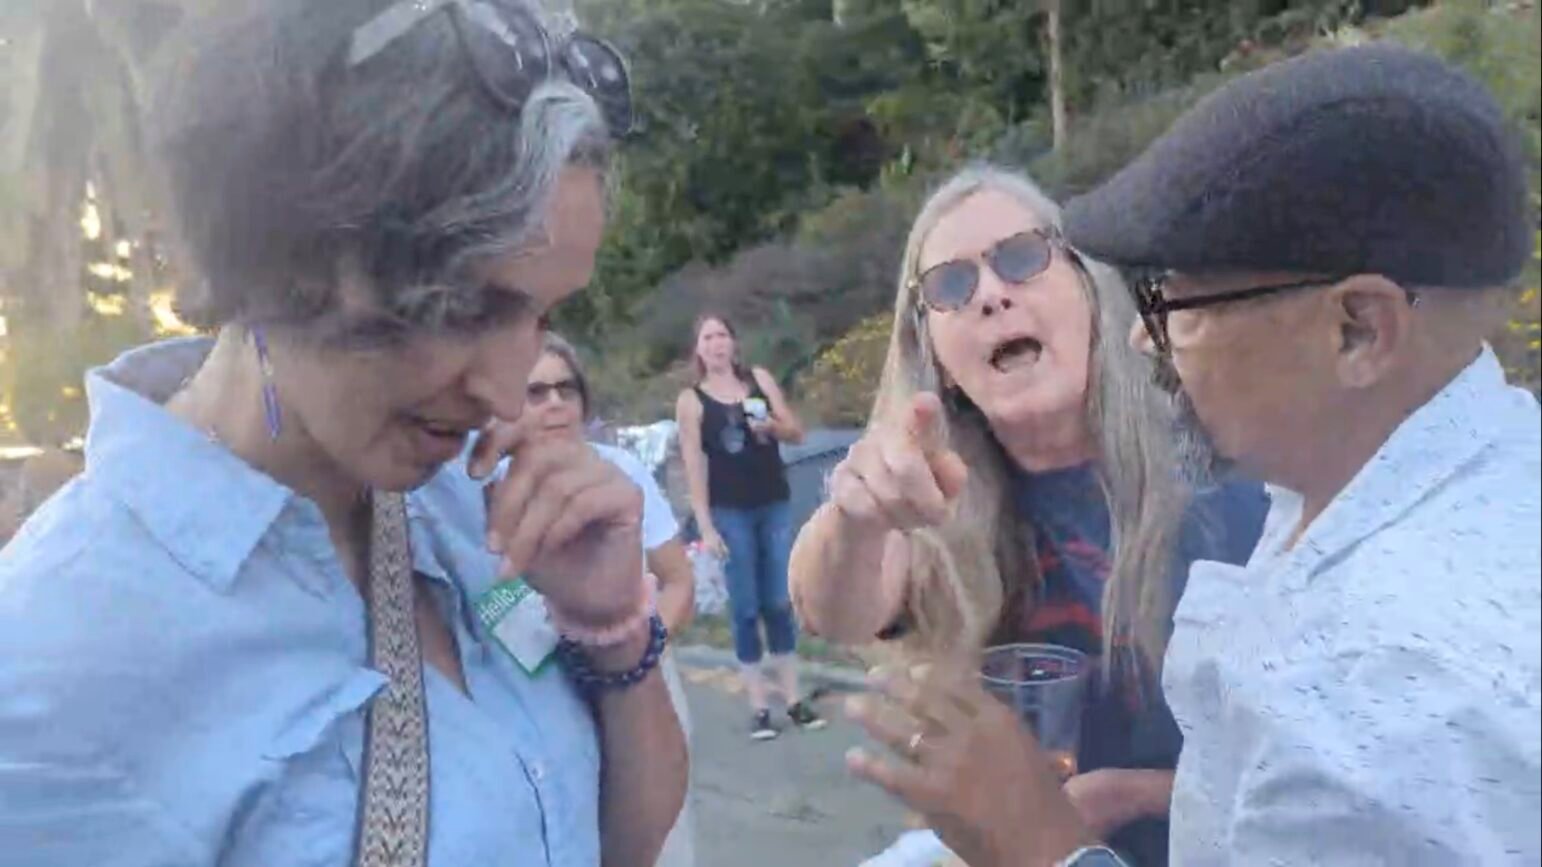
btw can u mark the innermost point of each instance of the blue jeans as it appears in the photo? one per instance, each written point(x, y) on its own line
point(759, 542)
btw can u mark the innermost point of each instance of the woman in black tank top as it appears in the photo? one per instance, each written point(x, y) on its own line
point(732, 423)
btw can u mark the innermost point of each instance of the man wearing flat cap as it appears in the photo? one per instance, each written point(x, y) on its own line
point(1323, 244)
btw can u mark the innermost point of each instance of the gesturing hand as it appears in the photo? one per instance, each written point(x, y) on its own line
point(901, 476)
point(566, 519)
point(964, 762)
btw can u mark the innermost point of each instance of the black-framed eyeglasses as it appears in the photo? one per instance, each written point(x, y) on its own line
point(1016, 259)
point(567, 390)
point(1154, 305)
point(510, 53)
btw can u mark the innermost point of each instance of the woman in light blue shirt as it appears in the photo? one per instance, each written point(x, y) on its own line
point(385, 200)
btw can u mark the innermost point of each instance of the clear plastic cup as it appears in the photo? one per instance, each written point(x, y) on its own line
point(1045, 685)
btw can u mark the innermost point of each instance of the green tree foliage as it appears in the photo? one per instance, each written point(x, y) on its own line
point(1501, 46)
point(748, 114)
point(1498, 43)
point(787, 144)
point(784, 146)
point(988, 48)
point(71, 143)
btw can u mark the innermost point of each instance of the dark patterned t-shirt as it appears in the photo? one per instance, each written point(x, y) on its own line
point(1126, 725)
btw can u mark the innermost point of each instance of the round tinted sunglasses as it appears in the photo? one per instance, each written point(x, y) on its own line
point(510, 53)
point(1016, 259)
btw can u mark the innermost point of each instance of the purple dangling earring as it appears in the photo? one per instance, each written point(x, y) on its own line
point(270, 408)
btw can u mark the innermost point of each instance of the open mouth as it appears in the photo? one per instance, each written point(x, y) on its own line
point(1016, 353)
point(442, 429)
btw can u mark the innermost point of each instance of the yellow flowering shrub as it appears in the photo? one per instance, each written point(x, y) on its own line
point(837, 388)
point(1520, 344)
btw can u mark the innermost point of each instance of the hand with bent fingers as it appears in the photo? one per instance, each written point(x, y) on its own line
point(565, 519)
point(901, 476)
point(962, 760)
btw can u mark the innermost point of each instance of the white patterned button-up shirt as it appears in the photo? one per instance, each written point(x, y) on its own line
point(1370, 695)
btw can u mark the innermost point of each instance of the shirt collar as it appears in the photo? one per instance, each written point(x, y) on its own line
point(204, 505)
point(1429, 447)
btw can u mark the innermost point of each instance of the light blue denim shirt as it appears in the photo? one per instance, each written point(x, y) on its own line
point(183, 668)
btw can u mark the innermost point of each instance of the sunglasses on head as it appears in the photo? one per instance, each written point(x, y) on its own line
point(566, 389)
point(510, 54)
point(1016, 259)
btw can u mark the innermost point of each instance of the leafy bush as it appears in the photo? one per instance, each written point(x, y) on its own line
point(1498, 44)
point(838, 388)
point(1502, 47)
point(1099, 143)
point(788, 298)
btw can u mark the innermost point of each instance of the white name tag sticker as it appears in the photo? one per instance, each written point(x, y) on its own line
point(517, 617)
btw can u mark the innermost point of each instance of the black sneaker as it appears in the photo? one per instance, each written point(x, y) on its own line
point(805, 717)
point(762, 729)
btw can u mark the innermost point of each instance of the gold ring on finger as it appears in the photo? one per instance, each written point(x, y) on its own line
point(913, 746)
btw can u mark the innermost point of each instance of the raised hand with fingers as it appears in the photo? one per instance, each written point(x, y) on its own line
point(565, 519)
point(901, 476)
point(963, 761)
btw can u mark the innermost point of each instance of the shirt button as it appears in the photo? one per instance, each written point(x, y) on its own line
point(539, 773)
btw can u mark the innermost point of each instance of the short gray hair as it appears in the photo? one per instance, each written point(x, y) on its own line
point(284, 164)
point(556, 345)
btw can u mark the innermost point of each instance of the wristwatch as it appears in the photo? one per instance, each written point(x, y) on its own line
point(1093, 856)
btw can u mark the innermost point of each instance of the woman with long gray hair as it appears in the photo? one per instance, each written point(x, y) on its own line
point(1016, 484)
point(279, 619)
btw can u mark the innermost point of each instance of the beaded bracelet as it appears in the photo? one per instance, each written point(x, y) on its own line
point(575, 660)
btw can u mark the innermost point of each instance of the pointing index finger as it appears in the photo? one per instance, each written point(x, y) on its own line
point(926, 425)
point(927, 428)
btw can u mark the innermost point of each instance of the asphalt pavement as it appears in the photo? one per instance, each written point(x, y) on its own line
point(788, 802)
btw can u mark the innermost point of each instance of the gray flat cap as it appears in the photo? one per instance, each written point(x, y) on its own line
point(1372, 159)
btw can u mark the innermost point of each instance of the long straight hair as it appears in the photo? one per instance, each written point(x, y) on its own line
point(963, 572)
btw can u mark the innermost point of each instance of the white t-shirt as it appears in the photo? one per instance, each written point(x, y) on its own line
point(659, 527)
point(658, 523)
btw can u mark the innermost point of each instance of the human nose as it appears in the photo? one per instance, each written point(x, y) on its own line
point(500, 370)
point(992, 292)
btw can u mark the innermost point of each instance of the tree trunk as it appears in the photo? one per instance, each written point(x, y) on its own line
point(1057, 111)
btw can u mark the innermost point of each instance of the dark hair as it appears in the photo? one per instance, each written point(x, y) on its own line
point(742, 372)
point(284, 165)
point(555, 345)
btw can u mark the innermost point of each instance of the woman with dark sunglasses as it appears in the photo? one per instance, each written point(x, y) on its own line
point(279, 620)
point(558, 408)
point(1015, 437)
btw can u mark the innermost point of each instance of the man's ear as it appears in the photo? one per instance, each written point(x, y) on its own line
point(1374, 326)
